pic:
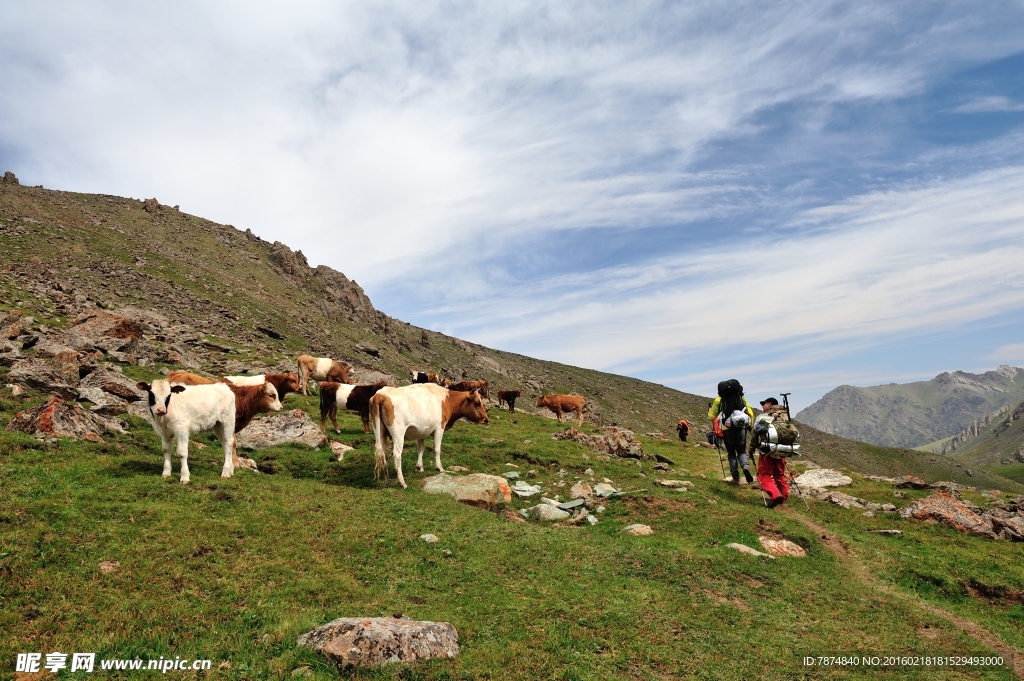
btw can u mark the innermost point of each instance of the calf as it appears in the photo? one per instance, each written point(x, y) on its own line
point(285, 383)
point(421, 377)
point(418, 412)
point(509, 397)
point(351, 397)
point(466, 386)
point(177, 412)
point(321, 369)
point(563, 404)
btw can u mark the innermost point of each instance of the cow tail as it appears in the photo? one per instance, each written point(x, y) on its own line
point(380, 464)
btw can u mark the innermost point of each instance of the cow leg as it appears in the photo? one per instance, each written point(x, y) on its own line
point(365, 415)
point(397, 456)
point(182, 445)
point(227, 441)
point(579, 412)
point(558, 415)
point(438, 434)
point(334, 417)
point(420, 446)
point(165, 443)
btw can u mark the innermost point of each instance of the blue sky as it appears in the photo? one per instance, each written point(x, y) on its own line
point(798, 195)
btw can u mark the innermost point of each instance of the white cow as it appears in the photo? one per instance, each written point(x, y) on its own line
point(417, 412)
point(178, 411)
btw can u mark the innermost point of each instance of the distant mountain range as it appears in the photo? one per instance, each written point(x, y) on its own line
point(916, 414)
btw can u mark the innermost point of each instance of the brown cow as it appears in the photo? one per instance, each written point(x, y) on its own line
point(284, 383)
point(321, 369)
point(351, 397)
point(468, 386)
point(509, 397)
point(418, 412)
point(251, 400)
point(188, 378)
point(563, 404)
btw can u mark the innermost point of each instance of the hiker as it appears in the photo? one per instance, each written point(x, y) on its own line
point(683, 428)
point(733, 416)
point(771, 467)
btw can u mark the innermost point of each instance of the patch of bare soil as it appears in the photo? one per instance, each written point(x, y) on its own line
point(996, 595)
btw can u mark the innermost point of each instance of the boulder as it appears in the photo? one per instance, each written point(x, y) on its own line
point(66, 364)
point(58, 418)
point(179, 354)
point(782, 547)
point(351, 642)
point(910, 482)
point(113, 382)
point(949, 486)
point(604, 490)
point(943, 507)
point(1009, 527)
point(821, 478)
point(364, 376)
point(611, 441)
point(9, 353)
point(638, 530)
point(547, 512)
point(97, 322)
point(43, 376)
point(103, 403)
point(11, 325)
point(279, 428)
point(477, 489)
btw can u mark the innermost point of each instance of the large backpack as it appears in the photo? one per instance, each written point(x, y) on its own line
point(778, 438)
point(731, 394)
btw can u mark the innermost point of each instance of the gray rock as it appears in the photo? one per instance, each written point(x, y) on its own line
point(490, 492)
point(747, 550)
point(604, 490)
point(113, 382)
point(581, 490)
point(510, 475)
point(43, 376)
point(351, 642)
point(279, 428)
point(638, 530)
point(821, 478)
point(363, 346)
point(429, 538)
point(525, 489)
point(546, 512)
point(58, 418)
point(569, 505)
point(592, 519)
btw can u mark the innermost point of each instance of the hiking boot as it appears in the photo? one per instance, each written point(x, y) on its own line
point(772, 503)
point(748, 476)
point(735, 479)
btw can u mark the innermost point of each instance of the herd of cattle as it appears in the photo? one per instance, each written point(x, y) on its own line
point(185, 403)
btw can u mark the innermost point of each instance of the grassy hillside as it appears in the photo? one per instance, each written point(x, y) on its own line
point(234, 570)
point(255, 305)
point(913, 414)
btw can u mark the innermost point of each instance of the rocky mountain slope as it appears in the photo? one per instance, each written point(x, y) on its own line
point(220, 300)
point(912, 414)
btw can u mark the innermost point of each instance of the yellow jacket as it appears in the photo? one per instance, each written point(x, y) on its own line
point(716, 408)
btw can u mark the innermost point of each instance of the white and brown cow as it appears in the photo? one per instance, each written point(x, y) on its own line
point(351, 397)
point(321, 369)
point(417, 412)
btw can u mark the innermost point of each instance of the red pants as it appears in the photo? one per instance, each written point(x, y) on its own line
point(771, 474)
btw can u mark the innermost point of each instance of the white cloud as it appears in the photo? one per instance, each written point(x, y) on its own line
point(1009, 354)
point(989, 105)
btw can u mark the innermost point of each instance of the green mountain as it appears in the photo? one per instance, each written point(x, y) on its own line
point(913, 414)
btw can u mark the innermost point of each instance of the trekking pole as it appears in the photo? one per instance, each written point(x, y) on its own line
point(785, 401)
point(792, 479)
point(720, 462)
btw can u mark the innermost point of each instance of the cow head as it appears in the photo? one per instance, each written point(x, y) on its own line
point(270, 399)
point(290, 384)
point(540, 401)
point(160, 395)
point(473, 408)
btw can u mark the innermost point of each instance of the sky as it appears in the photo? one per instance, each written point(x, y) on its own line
point(795, 194)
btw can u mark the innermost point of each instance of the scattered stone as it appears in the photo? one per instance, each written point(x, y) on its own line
point(109, 567)
point(657, 435)
point(363, 346)
point(43, 376)
point(849, 501)
point(511, 465)
point(581, 490)
point(15, 389)
point(821, 478)
point(490, 492)
point(909, 481)
point(747, 550)
point(782, 547)
point(592, 519)
point(589, 471)
point(525, 489)
point(302, 671)
point(949, 486)
point(569, 505)
point(547, 512)
point(899, 495)
point(351, 642)
point(879, 478)
point(279, 428)
point(610, 440)
point(638, 530)
point(943, 507)
point(600, 509)
point(100, 323)
point(429, 538)
point(604, 490)
point(677, 484)
point(891, 533)
point(458, 469)
point(510, 475)
point(339, 449)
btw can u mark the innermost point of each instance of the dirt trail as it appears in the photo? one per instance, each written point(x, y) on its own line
point(862, 573)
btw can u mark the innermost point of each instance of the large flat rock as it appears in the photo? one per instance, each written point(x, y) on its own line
point(478, 489)
point(351, 642)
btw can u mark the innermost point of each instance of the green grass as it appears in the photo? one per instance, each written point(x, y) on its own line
point(234, 570)
point(1013, 472)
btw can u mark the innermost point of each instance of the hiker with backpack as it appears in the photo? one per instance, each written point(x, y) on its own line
point(731, 418)
point(775, 438)
point(683, 428)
